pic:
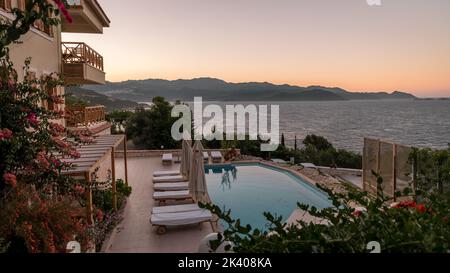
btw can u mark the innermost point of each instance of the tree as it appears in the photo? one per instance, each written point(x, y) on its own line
point(283, 144)
point(72, 101)
point(151, 129)
point(118, 119)
point(295, 143)
point(318, 142)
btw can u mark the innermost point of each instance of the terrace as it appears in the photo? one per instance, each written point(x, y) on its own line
point(136, 235)
point(82, 64)
point(88, 17)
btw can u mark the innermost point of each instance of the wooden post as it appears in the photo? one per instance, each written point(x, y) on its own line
point(364, 158)
point(125, 158)
point(394, 170)
point(113, 177)
point(378, 166)
point(89, 206)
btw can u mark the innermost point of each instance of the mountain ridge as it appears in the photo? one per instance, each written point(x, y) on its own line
point(213, 89)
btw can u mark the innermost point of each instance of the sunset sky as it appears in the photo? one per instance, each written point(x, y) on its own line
point(400, 45)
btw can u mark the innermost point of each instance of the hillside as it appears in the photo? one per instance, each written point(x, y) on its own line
point(93, 98)
point(214, 89)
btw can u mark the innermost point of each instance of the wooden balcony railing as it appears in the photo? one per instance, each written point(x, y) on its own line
point(80, 53)
point(84, 116)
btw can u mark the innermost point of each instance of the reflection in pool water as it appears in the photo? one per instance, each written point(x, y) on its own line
point(249, 190)
point(228, 172)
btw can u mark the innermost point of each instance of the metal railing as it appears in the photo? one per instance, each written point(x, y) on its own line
point(81, 53)
point(84, 116)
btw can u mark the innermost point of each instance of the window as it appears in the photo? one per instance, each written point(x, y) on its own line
point(5, 4)
point(50, 104)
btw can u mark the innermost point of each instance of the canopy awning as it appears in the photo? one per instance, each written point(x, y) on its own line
point(91, 157)
point(93, 154)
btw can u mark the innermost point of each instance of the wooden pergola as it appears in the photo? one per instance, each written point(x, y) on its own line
point(91, 157)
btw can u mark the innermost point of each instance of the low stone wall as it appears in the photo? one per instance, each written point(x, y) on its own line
point(340, 171)
point(158, 153)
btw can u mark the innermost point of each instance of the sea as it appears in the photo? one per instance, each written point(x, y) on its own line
point(419, 123)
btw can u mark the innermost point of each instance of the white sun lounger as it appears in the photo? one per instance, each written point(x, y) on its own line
point(216, 156)
point(169, 179)
point(177, 208)
point(166, 173)
point(180, 186)
point(163, 220)
point(167, 159)
point(205, 156)
point(163, 196)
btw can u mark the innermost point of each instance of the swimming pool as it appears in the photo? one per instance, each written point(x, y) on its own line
point(249, 190)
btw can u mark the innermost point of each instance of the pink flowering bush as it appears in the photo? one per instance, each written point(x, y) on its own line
point(38, 205)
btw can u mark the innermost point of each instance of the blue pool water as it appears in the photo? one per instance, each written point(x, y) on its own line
point(249, 190)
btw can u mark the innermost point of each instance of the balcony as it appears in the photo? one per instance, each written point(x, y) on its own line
point(88, 17)
point(85, 116)
point(82, 64)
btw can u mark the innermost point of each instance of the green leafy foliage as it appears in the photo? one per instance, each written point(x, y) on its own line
point(151, 129)
point(118, 119)
point(102, 194)
point(432, 169)
point(72, 101)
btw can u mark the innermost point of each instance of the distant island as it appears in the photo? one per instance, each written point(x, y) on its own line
point(218, 90)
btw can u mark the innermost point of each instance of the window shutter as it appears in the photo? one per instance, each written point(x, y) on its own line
point(5, 4)
point(22, 5)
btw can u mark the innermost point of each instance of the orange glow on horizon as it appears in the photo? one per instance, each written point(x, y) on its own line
point(401, 46)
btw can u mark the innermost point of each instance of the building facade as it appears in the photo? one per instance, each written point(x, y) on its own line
point(76, 61)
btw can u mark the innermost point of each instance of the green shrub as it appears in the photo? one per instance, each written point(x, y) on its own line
point(102, 194)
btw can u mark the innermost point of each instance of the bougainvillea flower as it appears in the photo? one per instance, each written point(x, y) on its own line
point(421, 208)
point(64, 11)
point(32, 119)
point(357, 213)
point(100, 215)
point(405, 204)
point(6, 134)
point(10, 179)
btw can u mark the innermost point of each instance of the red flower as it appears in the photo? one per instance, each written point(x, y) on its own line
point(10, 179)
point(32, 119)
point(11, 83)
point(6, 134)
point(357, 213)
point(63, 10)
point(74, 154)
point(100, 215)
point(61, 143)
point(421, 208)
point(56, 162)
point(79, 189)
point(405, 204)
point(43, 161)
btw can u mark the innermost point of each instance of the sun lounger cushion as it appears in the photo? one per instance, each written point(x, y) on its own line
point(181, 218)
point(174, 178)
point(180, 186)
point(167, 157)
point(175, 209)
point(166, 173)
point(205, 155)
point(216, 155)
point(171, 195)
